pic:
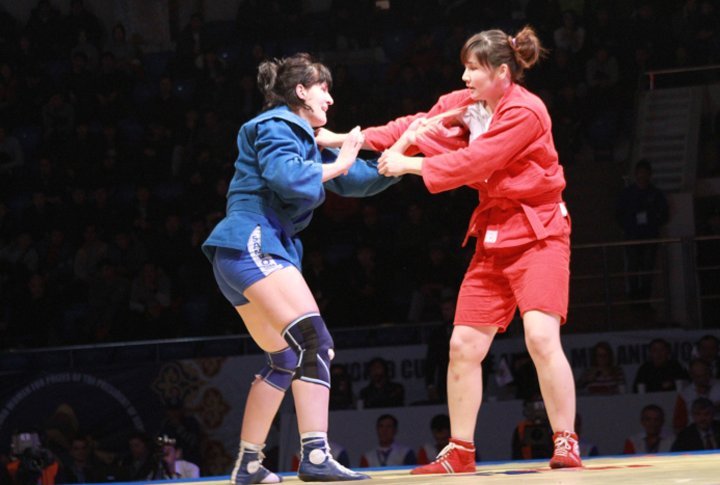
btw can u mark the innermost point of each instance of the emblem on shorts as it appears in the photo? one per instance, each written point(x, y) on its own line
point(264, 262)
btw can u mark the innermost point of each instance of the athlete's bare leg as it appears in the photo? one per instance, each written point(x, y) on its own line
point(557, 384)
point(468, 348)
point(275, 301)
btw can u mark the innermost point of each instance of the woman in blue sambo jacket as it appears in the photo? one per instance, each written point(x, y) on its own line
point(280, 178)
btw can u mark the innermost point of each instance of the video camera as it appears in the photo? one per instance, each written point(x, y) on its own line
point(161, 469)
point(538, 434)
point(27, 448)
point(164, 440)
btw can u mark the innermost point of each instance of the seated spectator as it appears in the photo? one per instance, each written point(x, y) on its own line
point(381, 392)
point(126, 54)
point(12, 156)
point(660, 372)
point(532, 437)
point(82, 467)
point(603, 376)
point(434, 280)
point(569, 36)
point(183, 428)
point(437, 356)
point(708, 350)
point(703, 433)
point(387, 453)
point(138, 464)
point(524, 377)
point(172, 456)
point(150, 296)
point(701, 385)
point(58, 117)
point(108, 301)
point(440, 429)
point(93, 249)
point(341, 394)
point(654, 438)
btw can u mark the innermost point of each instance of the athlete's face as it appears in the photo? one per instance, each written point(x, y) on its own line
point(486, 83)
point(318, 100)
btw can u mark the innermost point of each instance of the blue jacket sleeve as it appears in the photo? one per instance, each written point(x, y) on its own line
point(362, 179)
point(284, 163)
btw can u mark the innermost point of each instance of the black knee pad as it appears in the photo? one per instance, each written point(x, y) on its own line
point(280, 368)
point(310, 338)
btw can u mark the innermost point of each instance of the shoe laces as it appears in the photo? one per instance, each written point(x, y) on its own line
point(443, 455)
point(260, 456)
point(563, 445)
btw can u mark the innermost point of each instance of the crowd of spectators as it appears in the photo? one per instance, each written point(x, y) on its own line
point(114, 162)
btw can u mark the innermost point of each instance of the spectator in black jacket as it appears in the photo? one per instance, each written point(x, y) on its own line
point(660, 372)
point(381, 392)
point(641, 211)
point(704, 433)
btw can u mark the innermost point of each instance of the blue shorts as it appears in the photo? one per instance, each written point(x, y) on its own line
point(236, 270)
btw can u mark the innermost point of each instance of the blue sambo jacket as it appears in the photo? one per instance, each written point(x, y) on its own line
point(278, 183)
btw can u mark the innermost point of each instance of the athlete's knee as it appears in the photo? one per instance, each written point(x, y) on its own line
point(280, 368)
point(310, 338)
point(540, 346)
point(467, 351)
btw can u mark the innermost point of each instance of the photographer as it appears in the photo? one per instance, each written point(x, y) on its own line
point(532, 438)
point(170, 464)
point(30, 463)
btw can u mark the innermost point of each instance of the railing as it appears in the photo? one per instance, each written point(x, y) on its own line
point(666, 72)
point(681, 278)
point(685, 284)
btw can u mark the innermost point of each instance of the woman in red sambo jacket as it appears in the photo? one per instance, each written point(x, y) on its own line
point(495, 136)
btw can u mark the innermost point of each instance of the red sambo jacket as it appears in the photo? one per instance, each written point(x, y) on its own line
point(513, 166)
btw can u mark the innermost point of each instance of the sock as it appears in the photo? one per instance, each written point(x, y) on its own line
point(313, 435)
point(465, 444)
point(252, 447)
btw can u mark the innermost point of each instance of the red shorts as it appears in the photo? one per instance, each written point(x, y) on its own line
point(534, 276)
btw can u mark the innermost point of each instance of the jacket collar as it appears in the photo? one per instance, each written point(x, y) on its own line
point(285, 113)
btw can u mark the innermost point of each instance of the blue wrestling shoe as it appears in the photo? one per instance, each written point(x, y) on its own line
point(249, 469)
point(318, 465)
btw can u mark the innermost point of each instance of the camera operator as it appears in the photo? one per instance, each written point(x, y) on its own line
point(31, 463)
point(532, 438)
point(169, 464)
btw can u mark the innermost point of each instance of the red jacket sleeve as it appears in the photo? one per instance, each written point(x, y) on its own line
point(380, 138)
point(511, 135)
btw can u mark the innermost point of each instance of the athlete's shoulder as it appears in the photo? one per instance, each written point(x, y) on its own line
point(278, 117)
point(521, 97)
point(456, 98)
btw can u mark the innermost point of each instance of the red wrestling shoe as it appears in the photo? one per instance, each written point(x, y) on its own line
point(457, 457)
point(567, 451)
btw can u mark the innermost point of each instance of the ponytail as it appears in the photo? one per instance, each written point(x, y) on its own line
point(278, 78)
point(494, 47)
